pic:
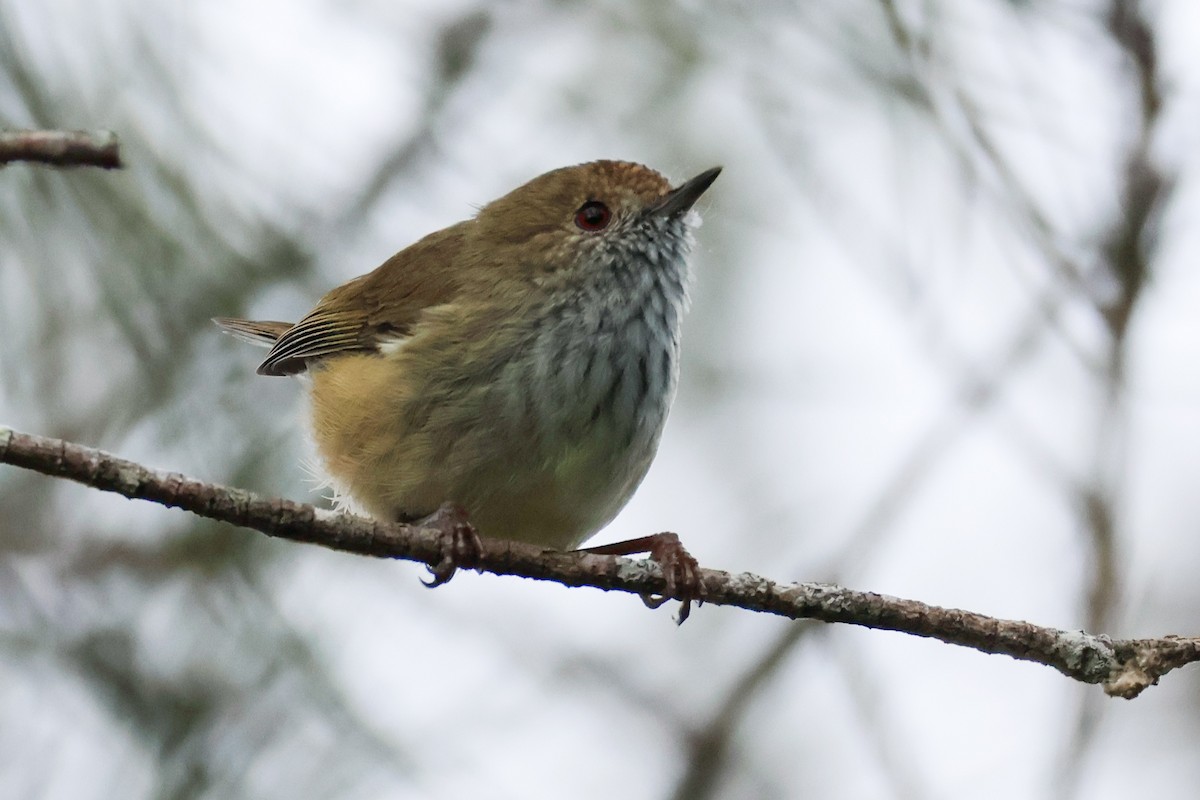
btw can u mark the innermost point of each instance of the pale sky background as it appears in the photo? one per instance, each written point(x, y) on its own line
point(867, 268)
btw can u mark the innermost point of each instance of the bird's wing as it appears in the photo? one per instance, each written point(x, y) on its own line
point(260, 332)
point(378, 307)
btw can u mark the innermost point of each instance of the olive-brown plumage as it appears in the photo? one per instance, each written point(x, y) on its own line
point(519, 364)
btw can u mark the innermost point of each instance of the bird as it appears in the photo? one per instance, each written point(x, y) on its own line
point(510, 373)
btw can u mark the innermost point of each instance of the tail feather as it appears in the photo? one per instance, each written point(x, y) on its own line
point(263, 333)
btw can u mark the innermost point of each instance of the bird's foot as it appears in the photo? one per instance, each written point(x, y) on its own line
point(458, 539)
point(680, 570)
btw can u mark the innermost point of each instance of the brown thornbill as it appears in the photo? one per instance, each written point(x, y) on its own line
point(514, 370)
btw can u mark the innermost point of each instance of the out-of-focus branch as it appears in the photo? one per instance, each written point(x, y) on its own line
point(1124, 667)
point(61, 148)
point(457, 49)
point(1127, 250)
point(709, 745)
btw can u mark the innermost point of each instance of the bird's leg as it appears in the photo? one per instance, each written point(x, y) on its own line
point(680, 570)
point(458, 539)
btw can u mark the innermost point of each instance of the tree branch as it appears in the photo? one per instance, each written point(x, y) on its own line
point(1124, 667)
point(61, 148)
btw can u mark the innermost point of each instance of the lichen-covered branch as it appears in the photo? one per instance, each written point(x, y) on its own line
point(61, 148)
point(1123, 667)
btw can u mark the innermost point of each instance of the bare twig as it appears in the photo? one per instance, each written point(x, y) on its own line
point(61, 148)
point(1124, 667)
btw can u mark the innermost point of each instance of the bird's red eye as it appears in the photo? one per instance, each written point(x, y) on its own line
point(593, 216)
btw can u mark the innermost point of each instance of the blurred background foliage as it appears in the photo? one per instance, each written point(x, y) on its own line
point(943, 344)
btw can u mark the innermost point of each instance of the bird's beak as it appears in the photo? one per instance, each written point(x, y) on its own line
point(680, 199)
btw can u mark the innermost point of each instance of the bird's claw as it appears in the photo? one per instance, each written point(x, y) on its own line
point(681, 572)
point(458, 540)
